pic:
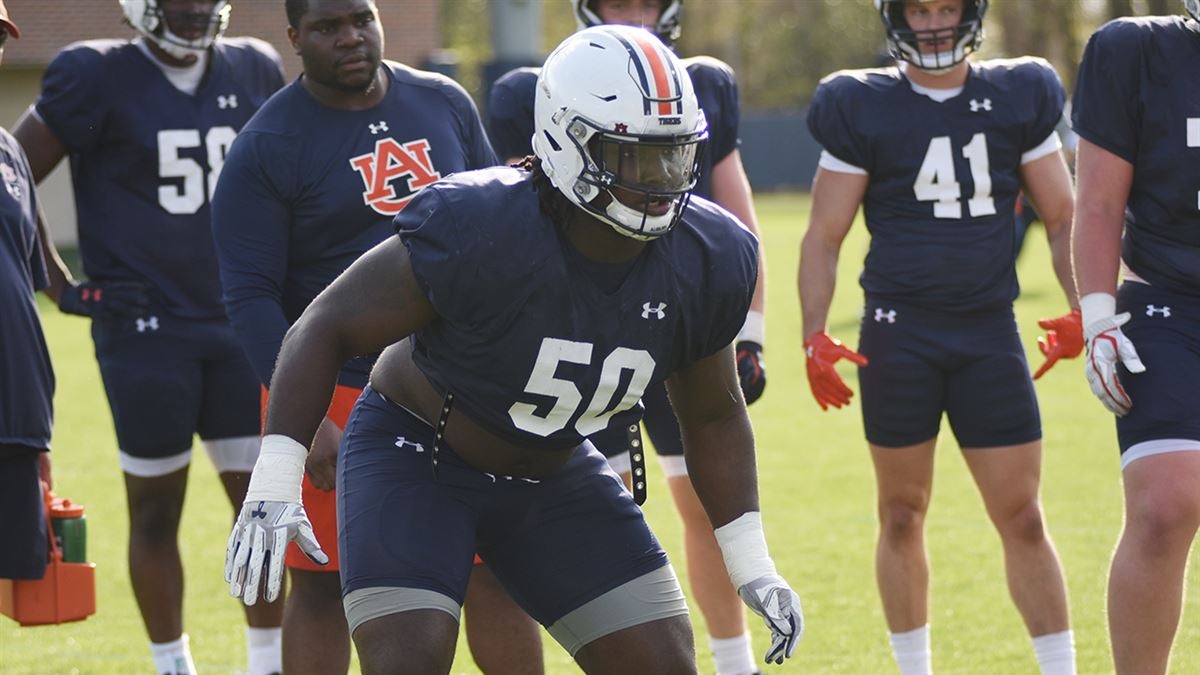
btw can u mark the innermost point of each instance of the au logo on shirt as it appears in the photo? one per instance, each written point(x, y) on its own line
point(389, 161)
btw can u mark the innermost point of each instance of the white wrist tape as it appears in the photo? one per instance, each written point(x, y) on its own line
point(278, 472)
point(1096, 306)
point(755, 328)
point(745, 549)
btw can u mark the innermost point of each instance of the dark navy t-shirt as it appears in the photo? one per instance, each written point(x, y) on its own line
point(26, 378)
point(307, 189)
point(944, 176)
point(1136, 97)
point(534, 347)
point(145, 158)
point(510, 113)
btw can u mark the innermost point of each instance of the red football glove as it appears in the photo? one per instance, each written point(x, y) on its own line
point(827, 386)
point(1063, 339)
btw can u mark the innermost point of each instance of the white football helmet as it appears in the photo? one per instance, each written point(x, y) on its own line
point(615, 114)
point(667, 28)
point(148, 18)
point(1193, 8)
point(905, 43)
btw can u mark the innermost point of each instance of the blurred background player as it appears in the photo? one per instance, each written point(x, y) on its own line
point(723, 180)
point(26, 377)
point(524, 293)
point(313, 182)
point(146, 124)
point(1137, 113)
point(935, 150)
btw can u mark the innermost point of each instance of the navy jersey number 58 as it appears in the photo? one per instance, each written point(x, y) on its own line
point(566, 395)
point(187, 198)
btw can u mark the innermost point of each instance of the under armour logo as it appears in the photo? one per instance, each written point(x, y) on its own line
point(659, 312)
point(985, 104)
point(229, 101)
point(379, 128)
point(260, 512)
point(402, 441)
point(144, 325)
point(881, 316)
point(1164, 312)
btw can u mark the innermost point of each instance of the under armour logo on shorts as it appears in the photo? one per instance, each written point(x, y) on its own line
point(659, 312)
point(1164, 312)
point(985, 104)
point(402, 441)
point(379, 128)
point(229, 101)
point(881, 316)
point(150, 324)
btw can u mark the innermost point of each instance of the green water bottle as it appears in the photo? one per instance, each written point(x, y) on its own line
point(70, 529)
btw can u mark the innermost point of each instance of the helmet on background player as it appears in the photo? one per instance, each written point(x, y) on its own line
point(150, 19)
point(667, 27)
point(905, 43)
point(1193, 8)
point(615, 114)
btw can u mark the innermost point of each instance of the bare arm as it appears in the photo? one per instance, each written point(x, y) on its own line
point(836, 197)
point(1104, 181)
point(718, 440)
point(1047, 182)
point(44, 151)
point(731, 189)
point(374, 303)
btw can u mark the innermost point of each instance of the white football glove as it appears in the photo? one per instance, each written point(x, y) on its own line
point(1106, 346)
point(271, 516)
point(771, 598)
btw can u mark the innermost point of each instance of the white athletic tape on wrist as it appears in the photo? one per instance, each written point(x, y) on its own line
point(1096, 306)
point(744, 548)
point(278, 472)
point(755, 328)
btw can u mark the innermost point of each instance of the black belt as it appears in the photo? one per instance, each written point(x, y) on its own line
point(637, 462)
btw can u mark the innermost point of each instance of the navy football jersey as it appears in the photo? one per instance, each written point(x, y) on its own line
point(532, 346)
point(26, 378)
point(307, 189)
point(510, 113)
point(944, 177)
point(145, 158)
point(1136, 98)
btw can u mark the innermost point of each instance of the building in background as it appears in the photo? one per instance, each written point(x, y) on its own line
point(412, 31)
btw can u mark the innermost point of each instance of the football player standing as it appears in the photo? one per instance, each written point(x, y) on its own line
point(534, 307)
point(1137, 114)
point(313, 182)
point(723, 180)
point(146, 124)
point(935, 150)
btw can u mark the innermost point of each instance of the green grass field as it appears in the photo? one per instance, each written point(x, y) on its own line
point(817, 493)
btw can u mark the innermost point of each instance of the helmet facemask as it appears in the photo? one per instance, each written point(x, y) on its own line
point(667, 28)
point(149, 18)
point(904, 43)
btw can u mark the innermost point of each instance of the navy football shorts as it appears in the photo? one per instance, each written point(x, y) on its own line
point(555, 544)
point(169, 378)
point(24, 542)
point(661, 426)
point(1165, 329)
point(969, 365)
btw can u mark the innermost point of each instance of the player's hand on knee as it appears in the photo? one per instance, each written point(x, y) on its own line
point(822, 352)
point(752, 370)
point(771, 598)
point(105, 299)
point(1063, 339)
point(1107, 346)
point(271, 516)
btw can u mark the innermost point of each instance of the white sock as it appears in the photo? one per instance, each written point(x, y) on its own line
point(911, 649)
point(173, 658)
point(1055, 653)
point(264, 647)
point(733, 656)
